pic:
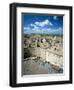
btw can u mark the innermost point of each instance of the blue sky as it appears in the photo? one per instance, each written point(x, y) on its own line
point(42, 24)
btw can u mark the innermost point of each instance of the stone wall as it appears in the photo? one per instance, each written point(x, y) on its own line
point(48, 56)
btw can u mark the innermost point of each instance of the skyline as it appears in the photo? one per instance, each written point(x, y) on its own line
point(42, 24)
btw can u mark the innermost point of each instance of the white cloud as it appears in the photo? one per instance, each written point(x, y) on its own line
point(37, 23)
point(54, 17)
point(43, 23)
point(38, 26)
point(35, 27)
point(31, 24)
point(26, 28)
point(59, 29)
point(50, 24)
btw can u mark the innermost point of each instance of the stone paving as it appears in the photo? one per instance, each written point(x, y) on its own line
point(37, 66)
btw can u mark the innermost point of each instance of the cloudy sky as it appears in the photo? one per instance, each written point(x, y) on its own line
point(42, 24)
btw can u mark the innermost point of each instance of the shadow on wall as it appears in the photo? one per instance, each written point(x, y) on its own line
point(27, 53)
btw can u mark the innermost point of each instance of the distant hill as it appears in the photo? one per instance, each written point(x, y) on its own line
point(33, 34)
